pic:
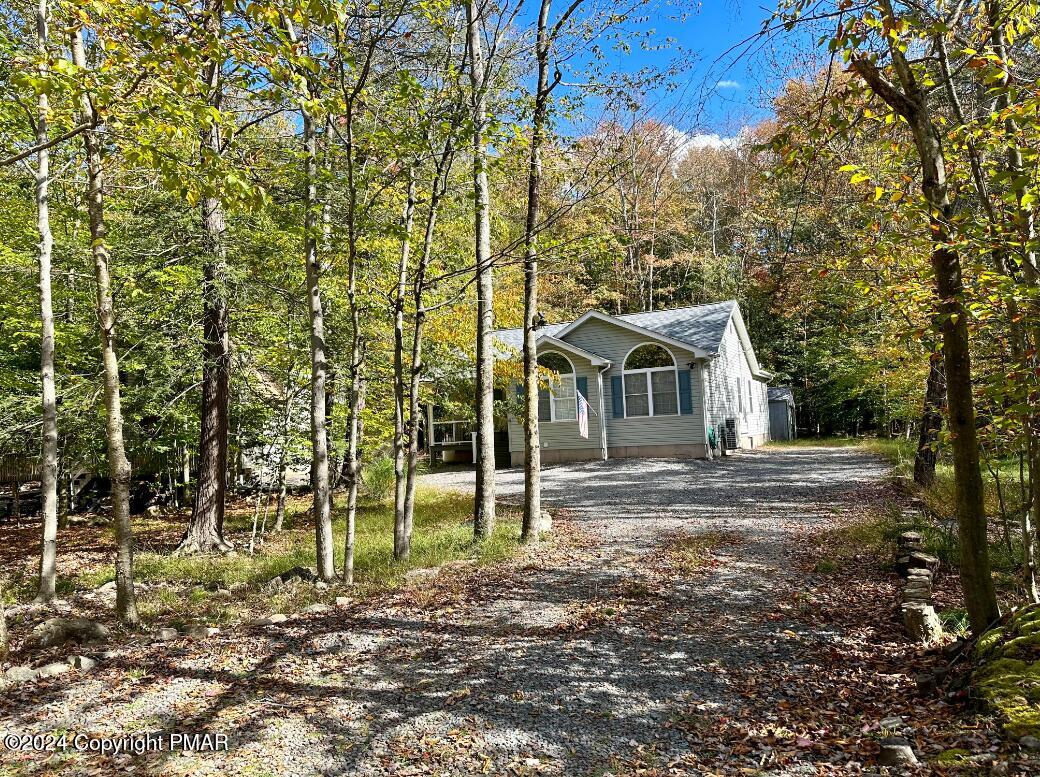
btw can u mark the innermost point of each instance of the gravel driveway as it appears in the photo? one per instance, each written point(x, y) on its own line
point(635, 501)
point(577, 662)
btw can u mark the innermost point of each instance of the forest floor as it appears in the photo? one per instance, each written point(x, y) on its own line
point(687, 618)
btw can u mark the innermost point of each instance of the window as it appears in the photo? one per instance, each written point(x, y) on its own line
point(557, 401)
point(651, 382)
point(751, 397)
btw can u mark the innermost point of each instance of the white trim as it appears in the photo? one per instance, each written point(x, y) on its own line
point(596, 360)
point(649, 383)
point(745, 341)
point(602, 413)
point(573, 375)
point(595, 314)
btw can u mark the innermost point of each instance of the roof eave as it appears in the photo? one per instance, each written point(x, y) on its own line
point(700, 353)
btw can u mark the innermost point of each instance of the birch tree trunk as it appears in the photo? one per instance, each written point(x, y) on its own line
point(532, 518)
point(48, 401)
point(118, 465)
point(205, 530)
point(484, 500)
point(322, 505)
point(402, 532)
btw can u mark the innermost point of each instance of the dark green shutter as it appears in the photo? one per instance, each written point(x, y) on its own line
point(519, 390)
point(583, 387)
point(685, 399)
point(617, 389)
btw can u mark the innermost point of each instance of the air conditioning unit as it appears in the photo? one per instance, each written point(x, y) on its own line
point(729, 434)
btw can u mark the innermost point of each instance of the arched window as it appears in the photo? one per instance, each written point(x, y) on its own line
point(651, 382)
point(556, 402)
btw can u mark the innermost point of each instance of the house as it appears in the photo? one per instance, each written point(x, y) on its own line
point(681, 382)
point(783, 422)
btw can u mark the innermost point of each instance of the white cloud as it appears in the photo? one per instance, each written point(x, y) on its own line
point(727, 84)
point(710, 140)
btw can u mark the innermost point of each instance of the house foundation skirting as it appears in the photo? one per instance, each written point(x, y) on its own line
point(559, 455)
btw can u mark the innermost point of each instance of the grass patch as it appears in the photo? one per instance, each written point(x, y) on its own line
point(691, 551)
point(443, 532)
point(816, 442)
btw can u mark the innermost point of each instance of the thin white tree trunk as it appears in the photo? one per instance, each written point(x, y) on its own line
point(322, 505)
point(402, 534)
point(484, 500)
point(49, 412)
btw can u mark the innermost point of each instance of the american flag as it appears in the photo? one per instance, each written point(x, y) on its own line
point(583, 416)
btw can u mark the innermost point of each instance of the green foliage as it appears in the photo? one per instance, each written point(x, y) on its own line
point(379, 478)
point(1007, 676)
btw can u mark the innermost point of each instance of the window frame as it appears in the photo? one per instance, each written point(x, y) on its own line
point(649, 383)
point(573, 376)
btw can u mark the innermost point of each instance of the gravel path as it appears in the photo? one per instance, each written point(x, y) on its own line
point(571, 664)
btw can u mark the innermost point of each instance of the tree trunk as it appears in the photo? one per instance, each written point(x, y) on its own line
point(484, 500)
point(437, 191)
point(49, 432)
point(322, 505)
point(976, 578)
point(205, 532)
point(1026, 229)
point(931, 423)
point(402, 532)
point(3, 623)
point(118, 465)
point(532, 519)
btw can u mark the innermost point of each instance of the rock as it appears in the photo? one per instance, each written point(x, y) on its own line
point(916, 560)
point(910, 540)
point(271, 620)
point(891, 723)
point(21, 674)
point(955, 649)
point(54, 669)
point(421, 575)
point(532, 763)
point(317, 607)
point(201, 632)
point(58, 631)
point(546, 521)
point(343, 601)
point(309, 574)
point(274, 585)
point(921, 622)
point(1029, 743)
point(896, 752)
point(927, 683)
point(109, 587)
point(82, 663)
point(237, 588)
point(152, 511)
point(166, 634)
point(321, 585)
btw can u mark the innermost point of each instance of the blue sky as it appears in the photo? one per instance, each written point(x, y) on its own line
point(717, 93)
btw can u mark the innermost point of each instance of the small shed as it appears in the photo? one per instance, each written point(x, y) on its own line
point(782, 417)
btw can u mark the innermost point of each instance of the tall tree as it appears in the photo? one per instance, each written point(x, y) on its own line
point(49, 435)
point(118, 464)
point(205, 530)
point(909, 98)
point(480, 78)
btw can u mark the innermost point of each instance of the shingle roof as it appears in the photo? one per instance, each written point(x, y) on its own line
point(701, 326)
point(784, 393)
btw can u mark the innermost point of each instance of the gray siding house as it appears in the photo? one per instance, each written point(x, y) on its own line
point(681, 382)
